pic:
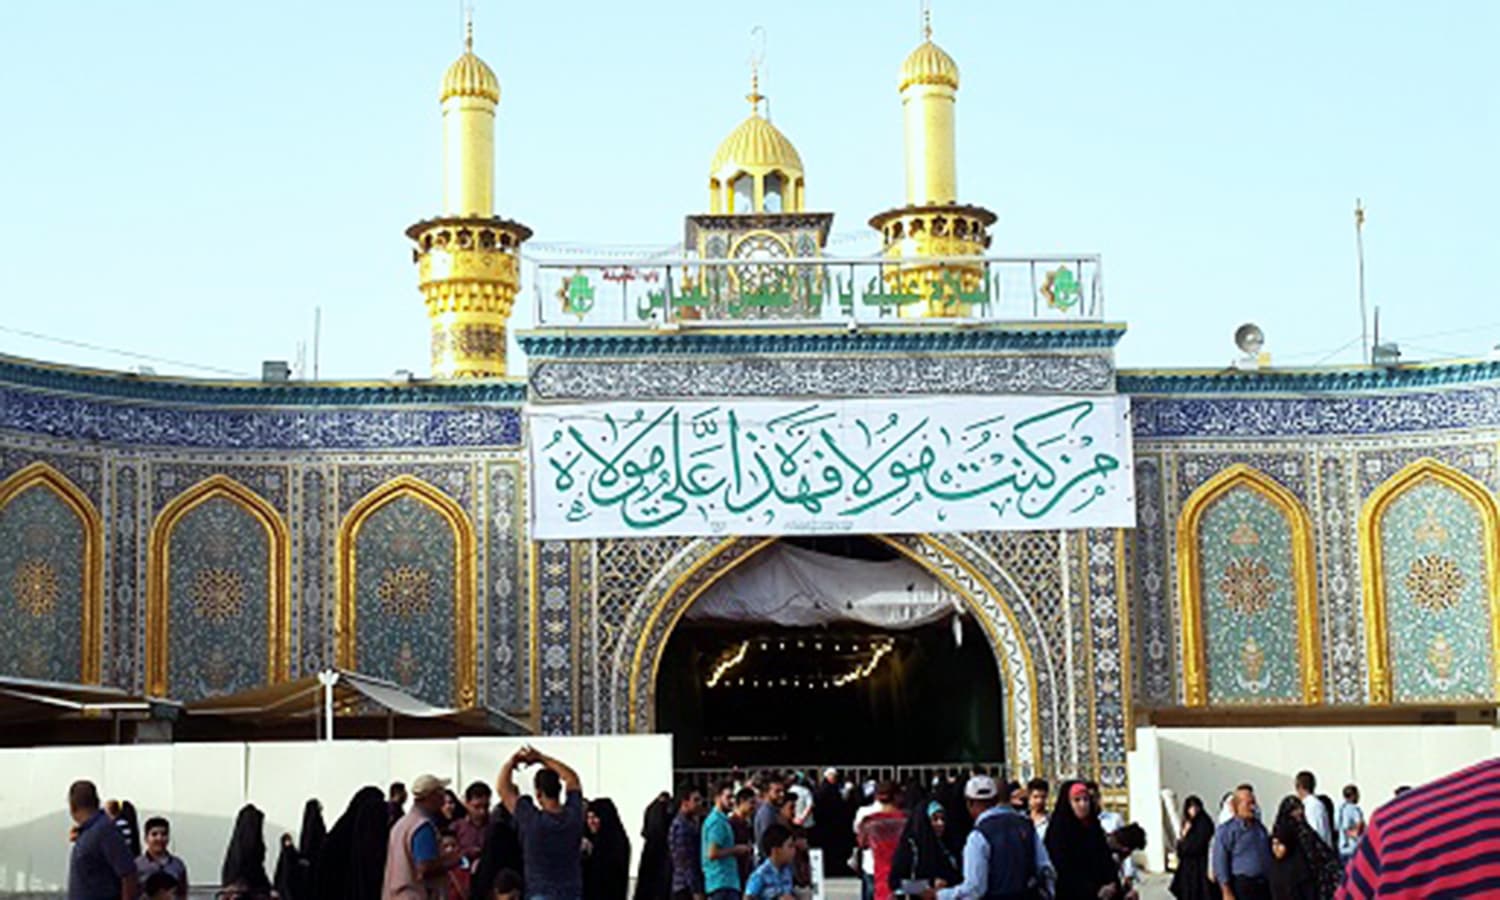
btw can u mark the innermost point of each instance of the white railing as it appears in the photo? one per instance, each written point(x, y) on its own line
point(689, 292)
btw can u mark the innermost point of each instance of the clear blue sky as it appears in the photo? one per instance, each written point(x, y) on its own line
point(189, 179)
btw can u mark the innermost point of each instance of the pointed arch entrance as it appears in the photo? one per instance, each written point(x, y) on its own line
point(662, 604)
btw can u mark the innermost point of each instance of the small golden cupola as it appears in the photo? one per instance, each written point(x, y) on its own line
point(467, 258)
point(757, 199)
point(932, 224)
point(756, 169)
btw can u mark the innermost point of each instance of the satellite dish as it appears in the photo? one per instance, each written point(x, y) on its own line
point(1249, 338)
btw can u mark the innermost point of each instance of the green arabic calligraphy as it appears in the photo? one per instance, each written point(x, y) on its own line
point(760, 287)
point(947, 289)
point(663, 462)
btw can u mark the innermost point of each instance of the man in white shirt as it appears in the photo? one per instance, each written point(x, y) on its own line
point(1314, 809)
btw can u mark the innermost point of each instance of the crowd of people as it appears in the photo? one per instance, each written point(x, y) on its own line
point(1438, 840)
point(549, 844)
point(1301, 857)
point(955, 838)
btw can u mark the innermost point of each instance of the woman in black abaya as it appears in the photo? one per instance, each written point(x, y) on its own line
point(654, 880)
point(501, 852)
point(606, 859)
point(1079, 850)
point(309, 845)
point(1190, 881)
point(244, 869)
point(351, 861)
point(1302, 866)
point(924, 854)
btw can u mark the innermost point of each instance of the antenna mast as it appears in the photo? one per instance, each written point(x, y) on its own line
point(1359, 249)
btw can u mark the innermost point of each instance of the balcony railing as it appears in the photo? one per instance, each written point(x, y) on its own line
point(689, 293)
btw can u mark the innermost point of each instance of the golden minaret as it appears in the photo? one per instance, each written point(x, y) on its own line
point(467, 259)
point(932, 224)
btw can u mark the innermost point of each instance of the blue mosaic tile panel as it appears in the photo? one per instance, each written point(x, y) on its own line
point(218, 608)
point(41, 586)
point(406, 599)
point(1437, 596)
point(1249, 600)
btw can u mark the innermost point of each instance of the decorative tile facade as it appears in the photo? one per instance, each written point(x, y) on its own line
point(1437, 596)
point(117, 422)
point(219, 598)
point(509, 619)
point(1247, 587)
point(1331, 453)
point(1086, 627)
point(895, 374)
point(407, 598)
point(42, 585)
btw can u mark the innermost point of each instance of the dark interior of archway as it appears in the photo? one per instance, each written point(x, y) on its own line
point(927, 700)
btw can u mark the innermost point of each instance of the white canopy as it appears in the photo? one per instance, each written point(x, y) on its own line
point(794, 587)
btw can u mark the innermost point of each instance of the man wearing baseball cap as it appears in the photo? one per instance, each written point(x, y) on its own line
point(1004, 858)
point(414, 868)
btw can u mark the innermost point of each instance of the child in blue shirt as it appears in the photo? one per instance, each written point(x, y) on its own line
point(772, 880)
point(1351, 824)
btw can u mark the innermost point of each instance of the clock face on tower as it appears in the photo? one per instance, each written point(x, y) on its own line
point(760, 249)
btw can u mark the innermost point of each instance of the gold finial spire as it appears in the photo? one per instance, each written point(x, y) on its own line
point(469, 30)
point(926, 20)
point(757, 57)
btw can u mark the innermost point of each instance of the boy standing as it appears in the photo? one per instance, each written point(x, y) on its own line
point(772, 880)
point(156, 858)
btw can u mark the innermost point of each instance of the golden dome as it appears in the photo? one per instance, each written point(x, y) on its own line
point(469, 76)
point(929, 64)
point(755, 146)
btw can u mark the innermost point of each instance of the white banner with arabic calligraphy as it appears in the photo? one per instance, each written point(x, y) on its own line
point(866, 466)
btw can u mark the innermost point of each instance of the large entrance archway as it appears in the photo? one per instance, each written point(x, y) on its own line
point(752, 694)
point(647, 628)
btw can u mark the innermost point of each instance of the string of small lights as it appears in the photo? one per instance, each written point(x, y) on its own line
point(728, 663)
point(864, 670)
point(719, 677)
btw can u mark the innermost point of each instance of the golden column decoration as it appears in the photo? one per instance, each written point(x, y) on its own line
point(467, 259)
point(932, 224)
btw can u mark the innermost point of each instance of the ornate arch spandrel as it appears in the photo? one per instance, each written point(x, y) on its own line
point(159, 573)
point(466, 616)
point(1021, 671)
point(91, 627)
point(1190, 579)
point(1372, 568)
point(1017, 674)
